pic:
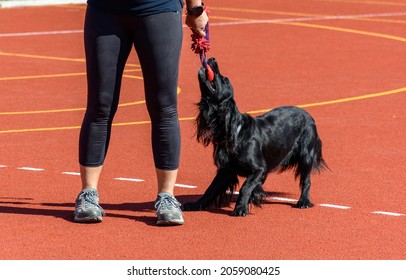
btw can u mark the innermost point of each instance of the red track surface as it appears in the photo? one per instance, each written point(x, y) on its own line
point(275, 53)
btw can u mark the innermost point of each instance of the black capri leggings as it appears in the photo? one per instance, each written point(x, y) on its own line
point(108, 41)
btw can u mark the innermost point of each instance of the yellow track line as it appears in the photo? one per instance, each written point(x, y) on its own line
point(384, 3)
point(179, 90)
point(355, 98)
point(42, 76)
point(42, 57)
point(266, 12)
point(52, 57)
point(377, 19)
point(45, 76)
point(63, 110)
point(342, 100)
point(358, 19)
point(380, 35)
point(347, 30)
point(69, 109)
point(327, 27)
point(39, 129)
point(337, 101)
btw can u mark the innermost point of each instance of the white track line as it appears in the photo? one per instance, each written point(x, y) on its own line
point(388, 213)
point(334, 206)
point(185, 186)
point(282, 198)
point(394, 214)
point(71, 173)
point(301, 19)
point(243, 22)
point(24, 3)
point(30, 169)
point(129, 179)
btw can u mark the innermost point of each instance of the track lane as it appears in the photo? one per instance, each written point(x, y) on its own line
point(362, 138)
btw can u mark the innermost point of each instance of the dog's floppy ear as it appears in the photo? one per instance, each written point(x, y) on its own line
point(203, 126)
point(232, 121)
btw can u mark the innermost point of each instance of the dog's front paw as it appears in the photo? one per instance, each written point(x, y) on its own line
point(240, 211)
point(193, 206)
point(304, 204)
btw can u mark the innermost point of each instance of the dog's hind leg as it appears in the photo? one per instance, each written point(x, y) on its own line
point(253, 181)
point(304, 200)
point(304, 169)
point(257, 196)
point(309, 159)
point(218, 193)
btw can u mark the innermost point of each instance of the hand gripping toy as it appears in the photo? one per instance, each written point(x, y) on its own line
point(201, 45)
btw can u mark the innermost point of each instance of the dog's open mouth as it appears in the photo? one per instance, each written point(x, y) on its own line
point(210, 85)
point(208, 77)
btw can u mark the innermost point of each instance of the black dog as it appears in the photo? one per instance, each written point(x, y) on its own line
point(282, 139)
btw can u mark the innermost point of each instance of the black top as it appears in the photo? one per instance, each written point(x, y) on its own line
point(138, 7)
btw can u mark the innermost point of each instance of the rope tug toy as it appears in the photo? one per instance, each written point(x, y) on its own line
point(201, 45)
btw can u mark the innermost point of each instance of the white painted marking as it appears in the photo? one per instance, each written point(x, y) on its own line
point(334, 206)
point(22, 34)
point(301, 19)
point(71, 173)
point(282, 198)
point(185, 186)
point(23, 3)
point(388, 213)
point(243, 22)
point(30, 169)
point(236, 192)
point(129, 179)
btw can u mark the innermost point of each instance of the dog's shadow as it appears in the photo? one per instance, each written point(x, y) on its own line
point(272, 198)
point(27, 206)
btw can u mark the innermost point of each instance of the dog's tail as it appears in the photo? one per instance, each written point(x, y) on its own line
point(306, 157)
point(319, 164)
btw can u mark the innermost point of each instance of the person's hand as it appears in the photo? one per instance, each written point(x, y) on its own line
point(197, 24)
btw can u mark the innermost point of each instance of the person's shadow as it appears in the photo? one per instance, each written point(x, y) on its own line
point(26, 206)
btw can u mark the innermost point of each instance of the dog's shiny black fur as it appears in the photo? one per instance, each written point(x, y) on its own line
point(282, 139)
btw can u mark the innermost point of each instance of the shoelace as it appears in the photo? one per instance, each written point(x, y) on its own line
point(90, 198)
point(166, 203)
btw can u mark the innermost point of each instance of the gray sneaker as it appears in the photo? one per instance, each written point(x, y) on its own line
point(87, 208)
point(168, 210)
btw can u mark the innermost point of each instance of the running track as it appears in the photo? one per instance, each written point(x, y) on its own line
point(343, 60)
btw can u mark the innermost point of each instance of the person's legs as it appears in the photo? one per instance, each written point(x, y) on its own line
point(107, 46)
point(166, 180)
point(158, 43)
point(90, 176)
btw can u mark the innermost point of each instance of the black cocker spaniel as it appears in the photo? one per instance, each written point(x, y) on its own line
point(282, 139)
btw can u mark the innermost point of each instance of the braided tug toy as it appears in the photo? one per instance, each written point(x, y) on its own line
point(201, 45)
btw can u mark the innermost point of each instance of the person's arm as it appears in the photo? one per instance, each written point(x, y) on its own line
point(196, 21)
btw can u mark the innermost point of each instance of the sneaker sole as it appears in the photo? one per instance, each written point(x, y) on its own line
point(170, 223)
point(90, 220)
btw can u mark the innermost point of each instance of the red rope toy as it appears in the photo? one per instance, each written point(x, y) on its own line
point(201, 45)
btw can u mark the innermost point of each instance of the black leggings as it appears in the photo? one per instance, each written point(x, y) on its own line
point(108, 41)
